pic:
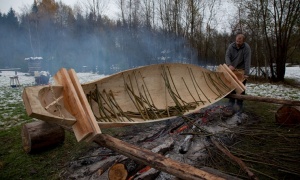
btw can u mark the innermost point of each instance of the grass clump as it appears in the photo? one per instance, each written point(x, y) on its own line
point(16, 164)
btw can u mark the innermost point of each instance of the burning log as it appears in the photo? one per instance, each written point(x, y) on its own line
point(128, 168)
point(288, 115)
point(154, 160)
point(264, 99)
point(149, 174)
point(186, 143)
point(40, 135)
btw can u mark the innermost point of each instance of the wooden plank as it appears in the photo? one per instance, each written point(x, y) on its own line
point(238, 88)
point(86, 106)
point(82, 128)
point(234, 76)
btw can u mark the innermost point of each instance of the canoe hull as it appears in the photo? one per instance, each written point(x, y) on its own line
point(141, 95)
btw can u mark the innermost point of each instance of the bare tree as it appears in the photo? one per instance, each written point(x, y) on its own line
point(279, 24)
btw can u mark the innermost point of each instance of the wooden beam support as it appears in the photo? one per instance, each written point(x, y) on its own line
point(264, 99)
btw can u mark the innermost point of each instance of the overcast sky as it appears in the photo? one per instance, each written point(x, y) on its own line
point(225, 12)
point(17, 5)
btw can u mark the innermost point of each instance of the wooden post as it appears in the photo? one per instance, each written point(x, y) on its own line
point(40, 135)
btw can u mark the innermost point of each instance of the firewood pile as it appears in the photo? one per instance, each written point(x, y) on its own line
point(185, 139)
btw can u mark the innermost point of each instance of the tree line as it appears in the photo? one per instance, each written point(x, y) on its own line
point(148, 32)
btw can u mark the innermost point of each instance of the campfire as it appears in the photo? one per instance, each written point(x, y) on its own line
point(186, 139)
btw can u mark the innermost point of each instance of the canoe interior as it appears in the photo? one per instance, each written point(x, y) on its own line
point(142, 95)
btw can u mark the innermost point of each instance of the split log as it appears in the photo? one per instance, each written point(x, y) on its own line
point(129, 168)
point(288, 115)
point(264, 99)
point(102, 166)
point(154, 160)
point(184, 147)
point(40, 135)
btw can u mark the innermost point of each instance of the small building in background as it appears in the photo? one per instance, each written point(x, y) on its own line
point(34, 64)
point(35, 68)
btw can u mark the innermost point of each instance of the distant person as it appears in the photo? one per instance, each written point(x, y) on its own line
point(238, 59)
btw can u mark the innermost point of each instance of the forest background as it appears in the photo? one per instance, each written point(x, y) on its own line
point(149, 32)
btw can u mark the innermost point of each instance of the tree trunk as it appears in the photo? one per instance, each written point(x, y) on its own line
point(288, 115)
point(40, 135)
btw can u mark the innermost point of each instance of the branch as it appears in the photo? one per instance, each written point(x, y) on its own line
point(236, 159)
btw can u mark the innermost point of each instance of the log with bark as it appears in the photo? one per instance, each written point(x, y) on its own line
point(39, 135)
point(264, 99)
point(154, 160)
point(288, 115)
point(128, 168)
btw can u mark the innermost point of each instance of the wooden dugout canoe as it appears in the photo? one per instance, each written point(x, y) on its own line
point(141, 95)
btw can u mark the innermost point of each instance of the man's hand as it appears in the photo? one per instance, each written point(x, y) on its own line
point(231, 67)
point(246, 76)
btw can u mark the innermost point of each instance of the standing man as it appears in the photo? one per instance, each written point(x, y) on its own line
point(238, 59)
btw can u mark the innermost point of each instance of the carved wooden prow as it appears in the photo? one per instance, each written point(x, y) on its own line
point(231, 77)
point(85, 127)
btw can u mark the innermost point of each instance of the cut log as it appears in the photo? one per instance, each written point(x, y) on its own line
point(154, 160)
point(264, 99)
point(118, 172)
point(123, 169)
point(40, 135)
point(288, 115)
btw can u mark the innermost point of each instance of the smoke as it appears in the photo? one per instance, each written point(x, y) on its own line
point(102, 49)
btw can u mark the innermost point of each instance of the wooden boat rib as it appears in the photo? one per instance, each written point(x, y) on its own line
point(141, 95)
